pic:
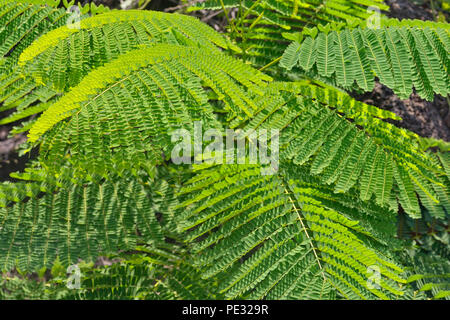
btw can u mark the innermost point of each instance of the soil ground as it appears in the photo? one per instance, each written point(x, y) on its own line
point(428, 119)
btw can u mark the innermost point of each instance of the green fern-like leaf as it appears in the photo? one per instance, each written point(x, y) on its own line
point(163, 80)
point(259, 24)
point(341, 154)
point(81, 222)
point(281, 244)
point(74, 52)
point(401, 57)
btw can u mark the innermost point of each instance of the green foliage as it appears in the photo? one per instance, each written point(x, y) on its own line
point(110, 92)
point(71, 45)
point(18, 288)
point(427, 257)
point(166, 82)
point(261, 25)
point(82, 222)
point(377, 161)
point(274, 230)
point(152, 274)
point(401, 57)
point(22, 23)
point(71, 49)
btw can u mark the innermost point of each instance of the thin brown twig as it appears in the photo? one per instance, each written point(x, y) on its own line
point(181, 6)
point(205, 19)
